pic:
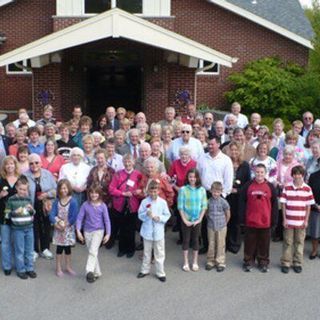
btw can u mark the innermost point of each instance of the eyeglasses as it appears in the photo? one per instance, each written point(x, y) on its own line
point(32, 163)
point(185, 131)
point(307, 118)
point(208, 118)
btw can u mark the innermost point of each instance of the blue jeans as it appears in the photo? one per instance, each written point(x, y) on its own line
point(23, 249)
point(6, 246)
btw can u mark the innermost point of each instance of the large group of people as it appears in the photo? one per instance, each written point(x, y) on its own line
point(125, 182)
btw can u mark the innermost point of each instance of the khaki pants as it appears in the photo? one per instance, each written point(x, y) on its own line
point(159, 256)
point(93, 242)
point(292, 248)
point(217, 247)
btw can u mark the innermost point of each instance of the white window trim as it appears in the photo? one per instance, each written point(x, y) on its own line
point(23, 71)
point(206, 73)
point(113, 5)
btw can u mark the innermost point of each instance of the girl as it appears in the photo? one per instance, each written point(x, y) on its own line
point(94, 219)
point(192, 205)
point(63, 216)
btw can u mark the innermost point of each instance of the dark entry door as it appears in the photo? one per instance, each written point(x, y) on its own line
point(114, 86)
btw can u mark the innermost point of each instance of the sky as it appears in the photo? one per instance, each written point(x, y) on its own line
point(306, 2)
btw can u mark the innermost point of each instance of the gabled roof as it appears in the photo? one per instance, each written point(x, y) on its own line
point(285, 17)
point(116, 23)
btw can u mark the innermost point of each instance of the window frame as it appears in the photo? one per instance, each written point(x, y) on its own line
point(93, 14)
point(21, 72)
point(207, 73)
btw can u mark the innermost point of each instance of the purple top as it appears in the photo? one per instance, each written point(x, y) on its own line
point(93, 218)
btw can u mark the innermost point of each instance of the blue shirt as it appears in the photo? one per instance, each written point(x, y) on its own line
point(38, 149)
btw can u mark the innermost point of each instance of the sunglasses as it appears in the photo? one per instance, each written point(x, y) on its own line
point(32, 163)
point(185, 131)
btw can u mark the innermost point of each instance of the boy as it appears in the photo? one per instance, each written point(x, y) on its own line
point(154, 213)
point(20, 211)
point(34, 144)
point(258, 208)
point(218, 216)
point(295, 200)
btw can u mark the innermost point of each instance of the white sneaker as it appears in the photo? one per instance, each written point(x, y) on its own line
point(47, 254)
point(35, 256)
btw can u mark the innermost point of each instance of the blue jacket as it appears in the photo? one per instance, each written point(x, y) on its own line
point(72, 215)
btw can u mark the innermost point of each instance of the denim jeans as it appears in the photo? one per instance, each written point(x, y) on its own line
point(6, 246)
point(23, 249)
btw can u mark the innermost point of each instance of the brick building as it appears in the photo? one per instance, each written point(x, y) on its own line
point(137, 53)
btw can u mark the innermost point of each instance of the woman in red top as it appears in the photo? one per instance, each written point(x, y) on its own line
point(20, 139)
point(124, 189)
point(50, 159)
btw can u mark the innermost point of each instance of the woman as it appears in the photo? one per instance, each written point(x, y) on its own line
point(311, 136)
point(120, 139)
point(278, 134)
point(42, 190)
point(241, 176)
point(9, 176)
point(130, 115)
point(261, 131)
point(312, 165)
point(249, 134)
point(20, 139)
point(157, 152)
point(202, 135)
point(51, 160)
point(262, 157)
point(23, 159)
point(124, 189)
point(167, 135)
point(88, 148)
point(77, 173)
point(143, 132)
point(102, 121)
point(101, 175)
point(155, 131)
point(98, 140)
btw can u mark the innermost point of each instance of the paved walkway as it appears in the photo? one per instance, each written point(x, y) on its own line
point(202, 295)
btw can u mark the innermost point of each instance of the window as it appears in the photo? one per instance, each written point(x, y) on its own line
point(215, 70)
point(98, 6)
point(13, 68)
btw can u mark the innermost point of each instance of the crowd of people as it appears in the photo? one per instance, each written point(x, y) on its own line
point(125, 181)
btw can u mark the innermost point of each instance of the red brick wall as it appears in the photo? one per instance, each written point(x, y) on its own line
point(22, 22)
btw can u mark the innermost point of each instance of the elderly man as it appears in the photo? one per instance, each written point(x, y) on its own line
point(169, 115)
point(220, 132)
point(241, 119)
point(145, 153)
point(187, 140)
point(23, 119)
point(132, 146)
point(307, 119)
point(111, 115)
point(209, 124)
point(255, 120)
point(214, 166)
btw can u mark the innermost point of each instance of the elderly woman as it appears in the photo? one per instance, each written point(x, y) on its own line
point(202, 135)
point(51, 160)
point(312, 164)
point(143, 132)
point(101, 175)
point(77, 173)
point(177, 129)
point(9, 176)
point(155, 131)
point(311, 136)
point(157, 152)
point(88, 148)
point(124, 189)
point(42, 190)
point(166, 137)
point(98, 140)
point(278, 133)
point(20, 139)
point(241, 175)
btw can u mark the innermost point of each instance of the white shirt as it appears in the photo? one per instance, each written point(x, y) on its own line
point(30, 123)
point(219, 168)
point(116, 162)
point(77, 175)
point(193, 144)
point(242, 120)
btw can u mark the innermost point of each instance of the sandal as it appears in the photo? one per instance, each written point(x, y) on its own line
point(186, 268)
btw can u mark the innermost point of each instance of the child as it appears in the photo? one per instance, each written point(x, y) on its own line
point(154, 213)
point(296, 200)
point(192, 205)
point(63, 216)
point(94, 218)
point(218, 217)
point(20, 211)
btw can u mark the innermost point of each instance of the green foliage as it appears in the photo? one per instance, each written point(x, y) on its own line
point(275, 89)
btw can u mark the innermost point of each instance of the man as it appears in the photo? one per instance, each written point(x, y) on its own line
point(34, 144)
point(220, 132)
point(169, 115)
point(307, 119)
point(191, 114)
point(241, 119)
point(23, 119)
point(11, 132)
point(255, 120)
point(187, 140)
point(214, 166)
point(65, 143)
point(133, 146)
point(4, 147)
point(258, 209)
point(209, 124)
point(76, 113)
point(47, 116)
point(114, 160)
point(248, 150)
point(111, 115)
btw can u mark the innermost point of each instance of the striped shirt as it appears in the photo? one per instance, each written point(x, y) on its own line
point(192, 201)
point(296, 200)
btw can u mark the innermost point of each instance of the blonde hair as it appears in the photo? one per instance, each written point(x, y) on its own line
point(4, 163)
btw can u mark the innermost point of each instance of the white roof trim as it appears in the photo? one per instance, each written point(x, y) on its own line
point(116, 23)
point(4, 2)
point(263, 22)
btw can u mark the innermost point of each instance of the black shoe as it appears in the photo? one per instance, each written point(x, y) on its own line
point(247, 267)
point(90, 277)
point(312, 257)
point(264, 269)
point(142, 275)
point(31, 274)
point(130, 254)
point(120, 254)
point(220, 269)
point(162, 279)
point(22, 275)
point(7, 272)
point(109, 245)
point(203, 250)
point(139, 246)
point(209, 267)
point(276, 239)
point(284, 269)
point(297, 269)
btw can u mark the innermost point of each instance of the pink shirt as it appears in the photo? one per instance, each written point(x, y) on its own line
point(54, 166)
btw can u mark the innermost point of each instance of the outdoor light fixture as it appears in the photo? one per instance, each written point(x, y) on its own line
point(3, 38)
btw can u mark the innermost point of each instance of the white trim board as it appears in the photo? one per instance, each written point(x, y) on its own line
point(4, 2)
point(263, 22)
